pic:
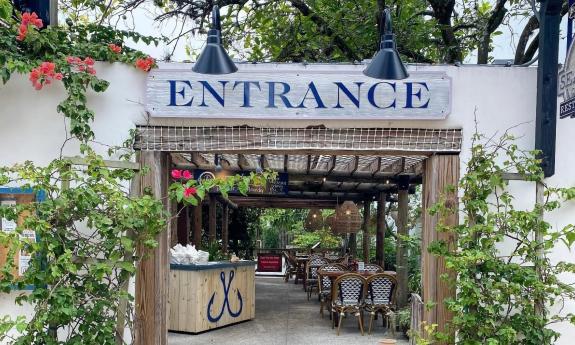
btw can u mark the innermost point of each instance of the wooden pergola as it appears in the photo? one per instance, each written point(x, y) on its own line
point(325, 167)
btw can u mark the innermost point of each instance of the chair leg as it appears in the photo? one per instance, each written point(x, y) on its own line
point(360, 321)
point(341, 315)
point(371, 316)
point(392, 315)
point(321, 308)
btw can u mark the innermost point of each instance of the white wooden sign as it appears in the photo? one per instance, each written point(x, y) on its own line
point(297, 95)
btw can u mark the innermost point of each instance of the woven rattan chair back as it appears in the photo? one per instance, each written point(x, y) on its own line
point(325, 283)
point(349, 290)
point(373, 268)
point(313, 264)
point(381, 290)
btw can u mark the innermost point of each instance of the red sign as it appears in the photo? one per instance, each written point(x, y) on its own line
point(269, 263)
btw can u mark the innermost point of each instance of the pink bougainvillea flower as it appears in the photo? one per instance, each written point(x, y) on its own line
point(44, 75)
point(189, 192)
point(116, 49)
point(176, 174)
point(28, 19)
point(22, 31)
point(187, 175)
point(145, 64)
point(89, 61)
point(90, 70)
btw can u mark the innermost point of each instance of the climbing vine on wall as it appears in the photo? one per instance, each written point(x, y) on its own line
point(91, 229)
point(509, 289)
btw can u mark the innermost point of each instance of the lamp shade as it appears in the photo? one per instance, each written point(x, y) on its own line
point(348, 219)
point(314, 220)
point(386, 64)
point(214, 59)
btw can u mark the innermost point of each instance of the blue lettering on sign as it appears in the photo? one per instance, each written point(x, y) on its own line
point(220, 98)
point(182, 92)
point(247, 84)
point(226, 300)
point(410, 94)
point(350, 96)
point(371, 95)
point(311, 87)
point(272, 94)
point(380, 95)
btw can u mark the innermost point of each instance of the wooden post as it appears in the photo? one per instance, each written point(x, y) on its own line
point(401, 254)
point(197, 225)
point(380, 233)
point(225, 223)
point(352, 244)
point(183, 230)
point(365, 230)
point(153, 269)
point(212, 220)
point(440, 172)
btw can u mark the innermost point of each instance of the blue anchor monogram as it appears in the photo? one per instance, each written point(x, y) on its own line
point(226, 300)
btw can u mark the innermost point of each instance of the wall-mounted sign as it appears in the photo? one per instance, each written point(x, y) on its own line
point(566, 87)
point(296, 95)
point(269, 263)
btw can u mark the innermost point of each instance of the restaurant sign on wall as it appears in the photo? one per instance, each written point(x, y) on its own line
point(566, 87)
point(297, 95)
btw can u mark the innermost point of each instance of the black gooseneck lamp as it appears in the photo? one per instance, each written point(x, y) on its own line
point(386, 64)
point(214, 59)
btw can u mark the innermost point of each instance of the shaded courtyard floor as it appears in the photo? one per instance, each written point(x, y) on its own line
point(285, 316)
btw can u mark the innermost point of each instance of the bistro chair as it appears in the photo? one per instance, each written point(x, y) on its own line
point(291, 266)
point(311, 279)
point(348, 297)
point(373, 268)
point(380, 298)
point(325, 283)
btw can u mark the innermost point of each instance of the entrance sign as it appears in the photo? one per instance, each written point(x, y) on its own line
point(566, 87)
point(297, 95)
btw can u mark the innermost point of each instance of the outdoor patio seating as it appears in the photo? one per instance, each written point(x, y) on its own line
point(373, 268)
point(311, 279)
point(325, 283)
point(292, 267)
point(380, 298)
point(348, 297)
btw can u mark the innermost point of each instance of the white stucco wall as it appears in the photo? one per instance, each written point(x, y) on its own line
point(497, 97)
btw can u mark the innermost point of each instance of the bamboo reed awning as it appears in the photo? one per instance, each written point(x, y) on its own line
point(299, 140)
point(323, 163)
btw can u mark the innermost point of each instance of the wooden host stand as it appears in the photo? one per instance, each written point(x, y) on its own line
point(208, 296)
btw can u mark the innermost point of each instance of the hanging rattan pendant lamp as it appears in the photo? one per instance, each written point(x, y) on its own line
point(348, 219)
point(330, 221)
point(314, 220)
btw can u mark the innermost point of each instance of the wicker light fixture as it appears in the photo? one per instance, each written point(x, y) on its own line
point(314, 220)
point(330, 222)
point(348, 218)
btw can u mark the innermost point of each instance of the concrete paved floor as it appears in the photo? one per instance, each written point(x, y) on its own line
point(285, 316)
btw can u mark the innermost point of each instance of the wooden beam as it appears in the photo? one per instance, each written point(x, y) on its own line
point(441, 171)
point(264, 162)
point(243, 162)
point(401, 251)
point(308, 168)
point(226, 165)
point(212, 220)
point(283, 202)
point(380, 230)
point(184, 225)
point(286, 162)
point(331, 165)
point(153, 269)
point(225, 223)
point(365, 231)
point(200, 162)
point(180, 161)
point(347, 178)
point(375, 166)
point(354, 166)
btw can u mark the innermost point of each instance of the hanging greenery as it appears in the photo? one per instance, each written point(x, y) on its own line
point(509, 291)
